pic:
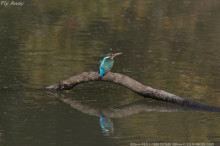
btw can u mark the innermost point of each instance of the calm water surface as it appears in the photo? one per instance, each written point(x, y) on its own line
point(169, 45)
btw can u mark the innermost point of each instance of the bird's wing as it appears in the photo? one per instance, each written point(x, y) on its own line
point(102, 63)
point(107, 65)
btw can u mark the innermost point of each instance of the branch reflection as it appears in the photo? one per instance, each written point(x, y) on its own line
point(105, 114)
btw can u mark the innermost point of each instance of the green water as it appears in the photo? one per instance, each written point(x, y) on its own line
point(166, 44)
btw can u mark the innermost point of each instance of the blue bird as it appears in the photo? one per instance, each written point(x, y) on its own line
point(107, 64)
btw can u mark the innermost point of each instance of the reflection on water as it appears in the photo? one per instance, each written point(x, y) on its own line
point(121, 111)
point(106, 125)
point(169, 45)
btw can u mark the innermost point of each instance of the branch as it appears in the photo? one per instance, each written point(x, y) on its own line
point(131, 84)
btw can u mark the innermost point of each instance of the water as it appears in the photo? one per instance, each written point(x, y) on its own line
point(168, 45)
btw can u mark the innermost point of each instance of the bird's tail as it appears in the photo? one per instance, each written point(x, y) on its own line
point(101, 72)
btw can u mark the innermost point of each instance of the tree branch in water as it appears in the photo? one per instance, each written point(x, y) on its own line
point(131, 84)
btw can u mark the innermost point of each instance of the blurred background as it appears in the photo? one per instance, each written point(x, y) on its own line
point(166, 44)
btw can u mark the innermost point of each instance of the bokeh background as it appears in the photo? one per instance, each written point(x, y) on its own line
point(166, 44)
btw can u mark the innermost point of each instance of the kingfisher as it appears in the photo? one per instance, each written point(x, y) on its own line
point(107, 64)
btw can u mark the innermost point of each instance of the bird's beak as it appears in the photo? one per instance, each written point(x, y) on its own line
point(116, 54)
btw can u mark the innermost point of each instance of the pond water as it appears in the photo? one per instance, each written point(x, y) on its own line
point(169, 45)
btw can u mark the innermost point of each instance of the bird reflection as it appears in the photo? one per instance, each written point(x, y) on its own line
point(106, 125)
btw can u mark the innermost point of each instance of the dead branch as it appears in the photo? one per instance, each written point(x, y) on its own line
point(131, 84)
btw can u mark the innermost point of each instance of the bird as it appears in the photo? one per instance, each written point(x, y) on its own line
point(107, 64)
